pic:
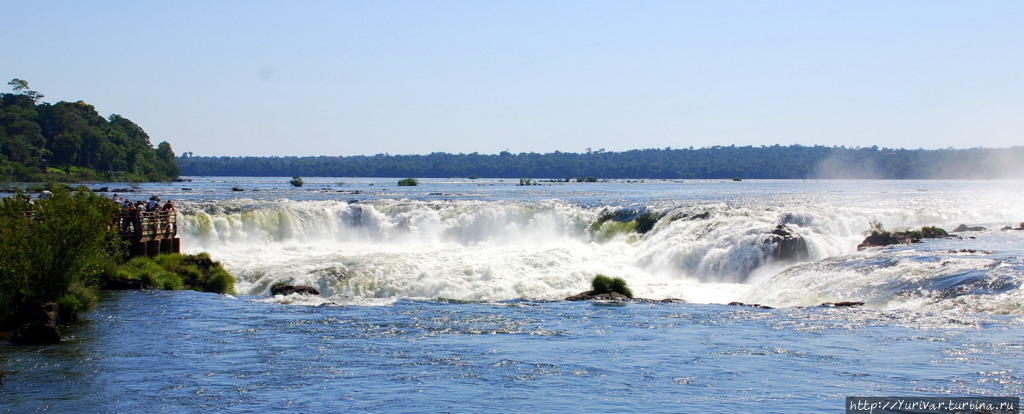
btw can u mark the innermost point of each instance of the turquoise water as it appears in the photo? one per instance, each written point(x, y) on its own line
point(446, 298)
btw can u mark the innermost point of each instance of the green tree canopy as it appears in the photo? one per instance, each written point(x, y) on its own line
point(75, 138)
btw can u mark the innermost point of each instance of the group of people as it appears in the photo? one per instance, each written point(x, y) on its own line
point(130, 218)
point(152, 205)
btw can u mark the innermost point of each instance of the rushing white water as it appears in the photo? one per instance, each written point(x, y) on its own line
point(699, 250)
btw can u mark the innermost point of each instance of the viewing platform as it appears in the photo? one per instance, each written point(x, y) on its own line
point(151, 232)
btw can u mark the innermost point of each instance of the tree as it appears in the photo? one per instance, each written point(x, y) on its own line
point(21, 87)
point(54, 246)
point(166, 156)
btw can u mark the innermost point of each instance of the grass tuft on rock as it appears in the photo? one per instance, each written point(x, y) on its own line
point(178, 272)
point(604, 284)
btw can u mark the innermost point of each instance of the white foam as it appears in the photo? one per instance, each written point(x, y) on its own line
point(493, 251)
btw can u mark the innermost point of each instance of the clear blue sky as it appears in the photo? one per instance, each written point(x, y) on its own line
point(414, 77)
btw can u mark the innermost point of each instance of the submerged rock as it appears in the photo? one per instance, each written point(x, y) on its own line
point(847, 304)
point(290, 289)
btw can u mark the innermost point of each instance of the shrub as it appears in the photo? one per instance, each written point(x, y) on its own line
point(875, 229)
point(408, 182)
point(79, 298)
point(296, 181)
point(605, 284)
point(54, 248)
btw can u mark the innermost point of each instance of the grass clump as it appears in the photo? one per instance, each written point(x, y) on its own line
point(408, 182)
point(178, 272)
point(150, 273)
point(604, 284)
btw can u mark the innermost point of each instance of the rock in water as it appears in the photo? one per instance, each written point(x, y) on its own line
point(590, 295)
point(36, 334)
point(289, 289)
point(787, 246)
point(38, 324)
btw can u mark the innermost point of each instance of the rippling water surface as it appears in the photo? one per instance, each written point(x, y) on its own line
point(191, 351)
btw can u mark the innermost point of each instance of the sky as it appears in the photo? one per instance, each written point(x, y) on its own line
point(283, 78)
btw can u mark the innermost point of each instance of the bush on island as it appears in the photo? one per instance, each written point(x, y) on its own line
point(408, 182)
point(296, 181)
point(604, 284)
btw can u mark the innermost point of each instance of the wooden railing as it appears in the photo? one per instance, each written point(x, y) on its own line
point(151, 232)
point(149, 225)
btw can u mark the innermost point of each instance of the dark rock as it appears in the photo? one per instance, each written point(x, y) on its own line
point(847, 304)
point(590, 295)
point(884, 239)
point(124, 190)
point(290, 289)
point(38, 321)
point(666, 300)
point(964, 227)
point(121, 283)
point(38, 311)
point(36, 334)
point(752, 305)
point(787, 246)
point(101, 190)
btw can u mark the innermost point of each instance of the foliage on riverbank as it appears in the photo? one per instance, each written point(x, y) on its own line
point(61, 248)
point(56, 249)
point(71, 142)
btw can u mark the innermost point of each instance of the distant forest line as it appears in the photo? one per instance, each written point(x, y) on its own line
point(748, 162)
